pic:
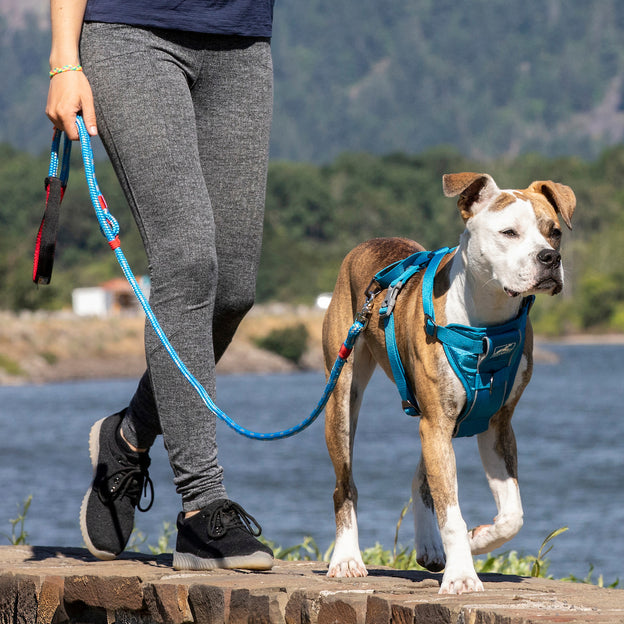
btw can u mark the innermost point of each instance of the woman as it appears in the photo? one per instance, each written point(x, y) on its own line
point(180, 93)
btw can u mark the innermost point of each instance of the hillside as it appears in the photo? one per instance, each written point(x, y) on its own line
point(489, 77)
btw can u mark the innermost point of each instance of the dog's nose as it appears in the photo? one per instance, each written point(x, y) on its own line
point(550, 258)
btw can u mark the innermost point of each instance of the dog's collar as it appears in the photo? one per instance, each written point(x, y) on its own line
point(485, 359)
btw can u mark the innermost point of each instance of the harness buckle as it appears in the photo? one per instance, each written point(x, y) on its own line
point(389, 302)
point(431, 327)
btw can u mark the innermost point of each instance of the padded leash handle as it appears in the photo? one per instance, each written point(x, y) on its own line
point(55, 186)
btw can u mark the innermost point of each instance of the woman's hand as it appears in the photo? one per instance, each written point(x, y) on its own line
point(69, 95)
point(70, 91)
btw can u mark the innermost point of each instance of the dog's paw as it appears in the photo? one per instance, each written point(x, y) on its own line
point(488, 537)
point(481, 538)
point(460, 582)
point(347, 568)
point(434, 562)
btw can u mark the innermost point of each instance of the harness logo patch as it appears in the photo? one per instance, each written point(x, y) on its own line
point(505, 349)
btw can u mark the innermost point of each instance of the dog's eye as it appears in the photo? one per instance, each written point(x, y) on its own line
point(510, 233)
point(555, 237)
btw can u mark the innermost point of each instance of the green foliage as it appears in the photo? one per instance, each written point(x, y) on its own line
point(288, 342)
point(316, 214)
point(19, 535)
point(139, 539)
point(9, 365)
point(377, 77)
point(590, 580)
point(539, 564)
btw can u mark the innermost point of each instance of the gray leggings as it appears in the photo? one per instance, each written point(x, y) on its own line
point(185, 119)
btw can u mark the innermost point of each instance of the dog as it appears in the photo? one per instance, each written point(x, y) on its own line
point(508, 250)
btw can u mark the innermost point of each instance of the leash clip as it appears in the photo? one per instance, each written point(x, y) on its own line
point(363, 316)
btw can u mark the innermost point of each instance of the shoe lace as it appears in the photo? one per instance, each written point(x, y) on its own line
point(130, 480)
point(229, 515)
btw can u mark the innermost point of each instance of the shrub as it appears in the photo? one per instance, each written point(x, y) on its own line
point(288, 342)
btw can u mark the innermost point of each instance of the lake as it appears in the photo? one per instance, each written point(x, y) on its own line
point(569, 427)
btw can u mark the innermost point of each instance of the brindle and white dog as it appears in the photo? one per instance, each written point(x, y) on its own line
point(509, 249)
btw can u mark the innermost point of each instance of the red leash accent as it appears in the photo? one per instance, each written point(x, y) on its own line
point(344, 352)
point(45, 243)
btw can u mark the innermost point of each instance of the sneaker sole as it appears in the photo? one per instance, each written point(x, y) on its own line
point(94, 452)
point(256, 561)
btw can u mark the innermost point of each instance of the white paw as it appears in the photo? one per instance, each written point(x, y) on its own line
point(460, 582)
point(488, 537)
point(347, 568)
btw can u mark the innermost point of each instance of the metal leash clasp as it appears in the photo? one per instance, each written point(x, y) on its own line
point(364, 315)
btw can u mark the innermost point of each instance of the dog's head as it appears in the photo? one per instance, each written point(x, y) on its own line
point(513, 236)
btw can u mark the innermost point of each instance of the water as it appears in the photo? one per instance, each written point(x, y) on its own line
point(569, 426)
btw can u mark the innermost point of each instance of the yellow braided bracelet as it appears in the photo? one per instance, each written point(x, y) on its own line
point(65, 68)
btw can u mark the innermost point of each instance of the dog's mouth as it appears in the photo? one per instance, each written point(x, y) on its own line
point(550, 285)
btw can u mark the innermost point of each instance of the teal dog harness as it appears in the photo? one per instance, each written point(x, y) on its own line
point(485, 359)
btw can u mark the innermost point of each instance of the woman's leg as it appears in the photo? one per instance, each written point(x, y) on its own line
point(233, 99)
point(147, 122)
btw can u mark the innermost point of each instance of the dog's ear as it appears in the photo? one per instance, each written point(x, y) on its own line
point(559, 196)
point(474, 190)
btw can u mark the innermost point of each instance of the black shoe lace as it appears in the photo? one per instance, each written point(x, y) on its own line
point(229, 515)
point(129, 480)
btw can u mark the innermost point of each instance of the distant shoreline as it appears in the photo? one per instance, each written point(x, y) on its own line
point(42, 347)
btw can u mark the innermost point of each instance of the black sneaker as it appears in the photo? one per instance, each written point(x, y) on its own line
point(119, 477)
point(222, 535)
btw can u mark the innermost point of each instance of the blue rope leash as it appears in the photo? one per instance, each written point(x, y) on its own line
point(110, 230)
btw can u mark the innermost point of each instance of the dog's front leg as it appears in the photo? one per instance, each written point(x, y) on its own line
point(497, 447)
point(439, 461)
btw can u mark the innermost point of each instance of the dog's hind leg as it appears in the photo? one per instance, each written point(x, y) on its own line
point(340, 425)
point(429, 548)
point(497, 447)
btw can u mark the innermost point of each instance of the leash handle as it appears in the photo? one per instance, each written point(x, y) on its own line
point(55, 185)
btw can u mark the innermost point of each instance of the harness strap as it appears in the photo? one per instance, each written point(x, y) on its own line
point(446, 334)
point(409, 402)
point(393, 277)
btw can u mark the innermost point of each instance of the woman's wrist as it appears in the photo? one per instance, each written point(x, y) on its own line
point(65, 68)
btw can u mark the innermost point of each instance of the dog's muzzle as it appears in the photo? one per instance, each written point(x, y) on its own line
point(550, 263)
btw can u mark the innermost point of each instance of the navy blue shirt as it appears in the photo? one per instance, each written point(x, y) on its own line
point(247, 18)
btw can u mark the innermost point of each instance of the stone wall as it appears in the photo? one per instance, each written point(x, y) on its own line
point(56, 585)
